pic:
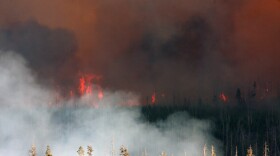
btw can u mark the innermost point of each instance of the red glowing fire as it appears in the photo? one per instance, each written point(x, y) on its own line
point(223, 97)
point(100, 94)
point(82, 85)
point(154, 98)
point(88, 83)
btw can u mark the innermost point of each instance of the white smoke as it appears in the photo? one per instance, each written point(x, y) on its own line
point(27, 118)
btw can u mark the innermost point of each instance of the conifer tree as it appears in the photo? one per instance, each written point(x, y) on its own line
point(81, 151)
point(205, 150)
point(250, 151)
point(48, 151)
point(266, 150)
point(238, 96)
point(90, 150)
point(32, 151)
point(213, 153)
point(124, 151)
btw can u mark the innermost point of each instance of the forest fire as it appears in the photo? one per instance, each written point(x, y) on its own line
point(82, 86)
point(223, 97)
point(153, 100)
point(85, 85)
point(169, 75)
point(88, 83)
point(100, 94)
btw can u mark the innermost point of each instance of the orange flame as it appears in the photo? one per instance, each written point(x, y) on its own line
point(82, 85)
point(88, 90)
point(86, 83)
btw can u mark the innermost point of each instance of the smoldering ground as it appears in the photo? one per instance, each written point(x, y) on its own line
point(27, 116)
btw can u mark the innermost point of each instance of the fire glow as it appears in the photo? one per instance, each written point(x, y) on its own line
point(223, 97)
point(154, 98)
point(89, 82)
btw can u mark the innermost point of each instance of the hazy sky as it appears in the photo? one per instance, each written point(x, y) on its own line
point(190, 47)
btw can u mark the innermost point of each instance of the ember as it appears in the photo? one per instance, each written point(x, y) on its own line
point(223, 97)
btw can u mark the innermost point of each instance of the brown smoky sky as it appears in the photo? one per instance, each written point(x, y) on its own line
point(191, 48)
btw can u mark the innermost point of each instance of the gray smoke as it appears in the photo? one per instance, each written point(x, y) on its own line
point(188, 48)
point(50, 53)
point(29, 116)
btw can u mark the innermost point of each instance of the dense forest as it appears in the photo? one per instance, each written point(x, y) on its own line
point(236, 125)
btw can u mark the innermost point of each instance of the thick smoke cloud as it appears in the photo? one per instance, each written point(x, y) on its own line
point(27, 117)
point(191, 48)
point(189, 58)
point(50, 53)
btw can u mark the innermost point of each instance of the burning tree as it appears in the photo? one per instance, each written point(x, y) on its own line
point(48, 151)
point(124, 151)
point(32, 151)
point(86, 82)
point(81, 151)
point(223, 97)
point(153, 100)
point(250, 151)
point(90, 150)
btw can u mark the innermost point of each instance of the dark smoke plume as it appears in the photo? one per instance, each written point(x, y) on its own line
point(191, 48)
point(49, 52)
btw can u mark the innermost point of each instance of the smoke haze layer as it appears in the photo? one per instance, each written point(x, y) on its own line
point(192, 48)
point(29, 116)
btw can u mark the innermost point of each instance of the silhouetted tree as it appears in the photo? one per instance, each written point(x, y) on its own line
point(239, 96)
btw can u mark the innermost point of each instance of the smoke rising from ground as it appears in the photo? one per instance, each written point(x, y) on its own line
point(28, 116)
